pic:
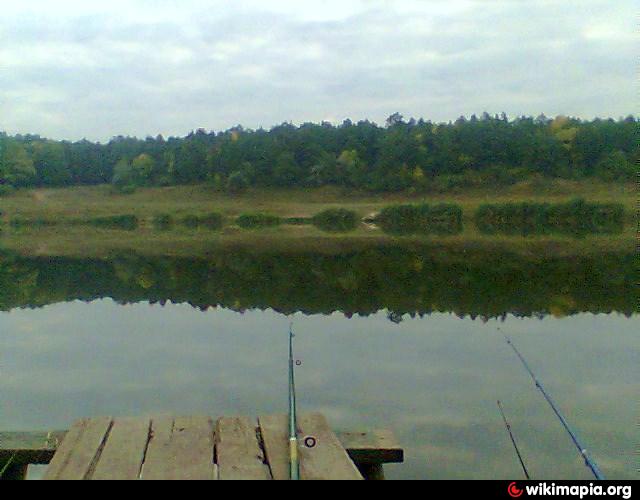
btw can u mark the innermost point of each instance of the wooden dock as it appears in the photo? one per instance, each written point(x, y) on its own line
point(198, 448)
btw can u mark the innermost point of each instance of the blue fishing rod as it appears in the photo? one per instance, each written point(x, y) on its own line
point(583, 451)
point(294, 465)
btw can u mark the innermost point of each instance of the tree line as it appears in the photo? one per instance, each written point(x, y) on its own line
point(415, 155)
point(403, 280)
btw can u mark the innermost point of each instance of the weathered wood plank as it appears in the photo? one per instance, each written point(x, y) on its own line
point(368, 450)
point(124, 452)
point(180, 449)
point(275, 439)
point(30, 447)
point(328, 460)
point(38, 448)
point(238, 452)
point(373, 447)
point(80, 450)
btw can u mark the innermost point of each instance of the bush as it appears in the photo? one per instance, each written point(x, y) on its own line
point(576, 217)
point(125, 222)
point(336, 220)
point(237, 183)
point(6, 189)
point(512, 218)
point(163, 222)
point(421, 219)
point(209, 221)
point(130, 189)
point(252, 221)
point(298, 221)
point(26, 222)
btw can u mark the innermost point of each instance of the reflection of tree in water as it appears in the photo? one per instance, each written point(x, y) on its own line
point(394, 317)
point(414, 281)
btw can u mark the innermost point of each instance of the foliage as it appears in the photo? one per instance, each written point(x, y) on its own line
point(405, 280)
point(31, 222)
point(238, 182)
point(336, 220)
point(213, 221)
point(126, 222)
point(252, 221)
point(575, 217)
point(16, 166)
point(6, 189)
point(163, 222)
point(421, 219)
point(413, 155)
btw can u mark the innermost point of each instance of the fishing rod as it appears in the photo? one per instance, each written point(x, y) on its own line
point(583, 451)
point(7, 465)
point(294, 466)
point(513, 440)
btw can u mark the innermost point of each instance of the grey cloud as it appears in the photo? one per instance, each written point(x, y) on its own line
point(98, 74)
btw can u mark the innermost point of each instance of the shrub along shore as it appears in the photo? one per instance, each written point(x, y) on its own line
point(576, 217)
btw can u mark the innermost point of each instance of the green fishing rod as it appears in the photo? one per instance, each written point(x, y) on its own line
point(583, 451)
point(294, 465)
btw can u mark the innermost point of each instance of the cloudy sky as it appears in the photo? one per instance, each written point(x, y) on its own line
point(76, 68)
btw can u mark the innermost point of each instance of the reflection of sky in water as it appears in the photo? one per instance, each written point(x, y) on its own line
point(433, 381)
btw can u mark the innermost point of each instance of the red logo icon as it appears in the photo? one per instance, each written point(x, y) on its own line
point(514, 491)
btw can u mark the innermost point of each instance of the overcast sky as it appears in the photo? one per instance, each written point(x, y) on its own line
point(75, 68)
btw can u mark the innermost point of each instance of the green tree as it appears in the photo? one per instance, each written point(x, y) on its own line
point(16, 166)
point(286, 172)
point(238, 182)
point(615, 167)
point(50, 163)
point(123, 177)
point(351, 168)
point(142, 168)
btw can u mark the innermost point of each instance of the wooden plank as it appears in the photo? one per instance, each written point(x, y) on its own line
point(328, 460)
point(275, 439)
point(30, 447)
point(238, 452)
point(180, 449)
point(80, 450)
point(373, 447)
point(38, 448)
point(124, 452)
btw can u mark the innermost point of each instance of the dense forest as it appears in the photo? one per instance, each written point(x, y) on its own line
point(415, 155)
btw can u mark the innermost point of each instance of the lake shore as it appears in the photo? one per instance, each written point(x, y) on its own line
point(66, 204)
point(67, 237)
point(91, 242)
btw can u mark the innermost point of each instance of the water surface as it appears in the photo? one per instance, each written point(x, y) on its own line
point(403, 338)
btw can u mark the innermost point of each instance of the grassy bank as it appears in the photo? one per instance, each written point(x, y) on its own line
point(161, 214)
point(88, 241)
point(182, 201)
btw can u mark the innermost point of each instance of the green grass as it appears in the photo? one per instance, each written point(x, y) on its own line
point(163, 222)
point(257, 221)
point(88, 241)
point(295, 207)
point(126, 222)
point(180, 201)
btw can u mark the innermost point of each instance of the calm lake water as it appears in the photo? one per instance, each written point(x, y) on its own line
point(404, 338)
